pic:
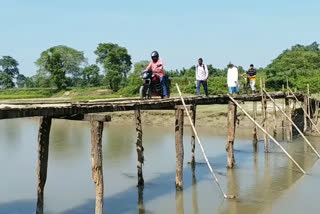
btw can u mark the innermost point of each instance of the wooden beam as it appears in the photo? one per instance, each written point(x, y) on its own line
point(179, 148)
point(43, 152)
point(139, 146)
point(9, 110)
point(96, 161)
point(232, 116)
point(87, 117)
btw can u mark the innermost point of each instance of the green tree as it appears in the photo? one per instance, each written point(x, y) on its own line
point(21, 81)
point(140, 66)
point(60, 61)
point(113, 79)
point(9, 70)
point(116, 62)
point(298, 62)
point(90, 76)
point(6, 80)
point(9, 65)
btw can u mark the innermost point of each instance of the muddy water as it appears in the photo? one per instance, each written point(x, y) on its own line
point(263, 183)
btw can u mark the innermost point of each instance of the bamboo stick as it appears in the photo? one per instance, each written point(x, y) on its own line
point(264, 131)
point(201, 147)
point(304, 111)
point(302, 135)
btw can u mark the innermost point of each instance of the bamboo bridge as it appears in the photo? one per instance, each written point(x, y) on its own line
point(95, 112)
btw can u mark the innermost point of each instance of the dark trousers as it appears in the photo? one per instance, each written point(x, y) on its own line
point(205, 86)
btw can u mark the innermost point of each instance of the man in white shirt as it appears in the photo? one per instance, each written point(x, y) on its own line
point(232, 79)
point(201, 76)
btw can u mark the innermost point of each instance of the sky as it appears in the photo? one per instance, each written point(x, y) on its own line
point(243, 32)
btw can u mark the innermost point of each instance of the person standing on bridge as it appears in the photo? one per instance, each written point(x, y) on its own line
point(232, 79)
point(252, 78)
point(156, 66)
point(202, 77)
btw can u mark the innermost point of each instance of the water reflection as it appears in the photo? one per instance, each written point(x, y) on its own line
point(179, 202)
point(258, 179)
point(194, 190)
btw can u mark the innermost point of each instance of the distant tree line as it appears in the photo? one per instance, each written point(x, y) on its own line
point(63, 67)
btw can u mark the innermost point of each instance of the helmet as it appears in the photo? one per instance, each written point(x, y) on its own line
point(154, 54)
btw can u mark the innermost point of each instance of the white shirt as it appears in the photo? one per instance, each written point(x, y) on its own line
point(201, 72)
point(232, 77)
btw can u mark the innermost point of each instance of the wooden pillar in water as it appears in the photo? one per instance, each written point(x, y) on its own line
point(179, 146)
point(264, 117)
point(287, 122)
point(43, 152)
point(274, 121)
point(139, 147)
point(255, 136)
point(193, 138)
point(232, 115)
point(96, 162)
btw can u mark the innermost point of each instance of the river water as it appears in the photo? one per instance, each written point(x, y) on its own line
point(263, 183)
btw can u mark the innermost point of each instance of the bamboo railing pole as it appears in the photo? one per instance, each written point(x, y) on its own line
point(304, 111)
point(199, 142)
point(302, 135)
point(264, 131)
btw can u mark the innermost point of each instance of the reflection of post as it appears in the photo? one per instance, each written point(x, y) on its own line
point(43, 151)
point(141, 209)
point(194, 191)
point(193, 138)
point(96, 161)
point(232, 114)
point(179, 146)
point(233, 188)
point(179, 202)
point(139, 147)
point(255, 137)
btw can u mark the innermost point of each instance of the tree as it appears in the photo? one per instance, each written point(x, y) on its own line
point(8, 72)
point(90, 76)
point(140, 66)
point(299, 61)
point(21, 81)
point(6, 80)
point(9, 65)
point(60, 61)
point(113, 79)
point(116, 62)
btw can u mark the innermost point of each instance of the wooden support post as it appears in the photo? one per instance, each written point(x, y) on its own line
point(264, 117)
point(193, 137)
point(272, 138)
point(287, 122)
point(139, 147)
point(96, 162)
point(274, 121)
point(283, 120)
point(232, 116)
point(255, 135)
point(43, 152)
point(179, 147)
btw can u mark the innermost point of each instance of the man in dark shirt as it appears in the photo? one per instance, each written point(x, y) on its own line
point(252, 78)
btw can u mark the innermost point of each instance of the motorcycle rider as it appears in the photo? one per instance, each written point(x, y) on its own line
point(156, 66)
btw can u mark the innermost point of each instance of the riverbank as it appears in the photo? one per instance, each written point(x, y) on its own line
point(214, 116)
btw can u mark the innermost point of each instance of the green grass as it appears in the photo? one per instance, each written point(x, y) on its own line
point(27, 93)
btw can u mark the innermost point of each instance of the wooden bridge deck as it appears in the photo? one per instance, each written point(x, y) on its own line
point(14, 109)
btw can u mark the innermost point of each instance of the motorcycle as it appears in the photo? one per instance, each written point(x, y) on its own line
point(152, 86)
